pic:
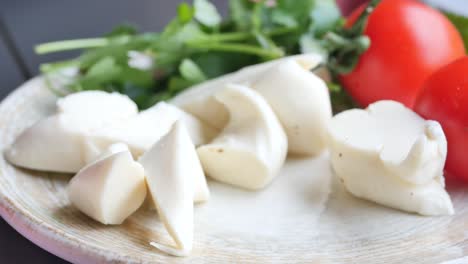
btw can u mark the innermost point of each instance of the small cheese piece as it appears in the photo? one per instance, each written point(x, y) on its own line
point(173, 173)
point(52, 144)
point(56, 143)
point(301, 102)
point(143, 130)
point(252, 148)
point(109, 190)
point(199, 101)
point(98, 106)
point(390, 155)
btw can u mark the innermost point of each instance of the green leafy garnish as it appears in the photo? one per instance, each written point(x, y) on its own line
point(198, 44)
point(206, 13)
point(191, 72)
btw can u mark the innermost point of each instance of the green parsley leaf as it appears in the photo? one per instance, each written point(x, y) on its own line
point(122, 30)
point(177, 84)
point(105, 66)
point(191, 72)
point(310, 44)
point(206, 13)
point(325, 16)
point(184, 12)
point(198, 45)
point(239, 14)
point(282, 18)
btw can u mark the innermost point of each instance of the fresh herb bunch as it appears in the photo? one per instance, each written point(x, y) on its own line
point(198, 45)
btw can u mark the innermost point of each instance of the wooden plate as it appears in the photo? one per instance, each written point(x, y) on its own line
point(290, 221)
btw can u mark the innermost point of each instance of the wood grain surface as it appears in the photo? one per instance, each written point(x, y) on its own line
point(283, 223)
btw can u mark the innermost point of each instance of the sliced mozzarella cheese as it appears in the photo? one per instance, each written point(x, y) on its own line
point(111, 150)
point(143, 130)
point(49, 145)
point(301, 102)
point(173, 173)
point(199, 100)
point(390, 155)
point(97, 106)
point(109, 190)
point(56, 143)
point(252, 148)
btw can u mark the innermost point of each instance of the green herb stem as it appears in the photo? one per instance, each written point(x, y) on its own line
point(280, 31)
point(50, 67)
point(241, 36)
point(227, 37)
point(234, 47)
point(347, 45)
point(71, 45)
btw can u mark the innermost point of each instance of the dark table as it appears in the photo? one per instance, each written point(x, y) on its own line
point(24, 23)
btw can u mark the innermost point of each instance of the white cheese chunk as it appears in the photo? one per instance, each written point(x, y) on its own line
point(111, 150)
point(252, 148)
point(390, 155)
point(173, 174)
point(49, 145)
point(143, 130)
point(301, 102)
point(109, 190)
point(199, 101)
point(56, 143)
point(98, 106)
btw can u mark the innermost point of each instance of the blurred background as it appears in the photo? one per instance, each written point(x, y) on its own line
point(25, 23)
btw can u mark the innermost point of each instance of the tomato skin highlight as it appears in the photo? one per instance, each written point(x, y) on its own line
point(444, 97)
point(409, 41)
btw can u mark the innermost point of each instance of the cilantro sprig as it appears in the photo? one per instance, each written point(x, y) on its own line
point(198, 44)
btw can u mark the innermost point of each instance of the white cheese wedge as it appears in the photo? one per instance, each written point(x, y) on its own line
point(56, 143)
point(301, 102)
point(111, 150)
point(143, 130)
point(390, 155)
point(109, 190)
point(51, 144)
point(98, 106)
point(199, 100)
point(173, 173)
point(250, 151)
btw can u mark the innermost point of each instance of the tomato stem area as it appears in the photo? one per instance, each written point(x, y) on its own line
point(348, 44)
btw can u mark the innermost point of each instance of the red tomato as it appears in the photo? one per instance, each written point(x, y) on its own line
point(409, 41)
point(444, 97)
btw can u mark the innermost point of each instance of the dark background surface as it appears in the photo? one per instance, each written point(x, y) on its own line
point(24, 23)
